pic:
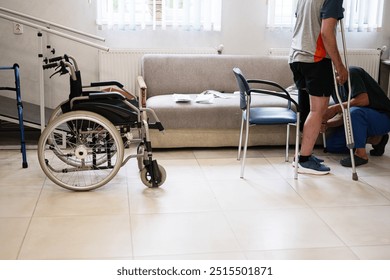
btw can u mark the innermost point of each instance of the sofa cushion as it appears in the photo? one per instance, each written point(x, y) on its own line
point(166, 74)
point(223, 113)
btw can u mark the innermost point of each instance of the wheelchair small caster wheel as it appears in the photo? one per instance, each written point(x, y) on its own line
point(150, 182)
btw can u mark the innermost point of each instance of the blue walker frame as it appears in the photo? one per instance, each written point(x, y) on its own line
point(19, 105)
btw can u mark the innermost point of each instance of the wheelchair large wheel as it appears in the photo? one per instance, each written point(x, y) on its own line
point(70, 146)
point(57, 112)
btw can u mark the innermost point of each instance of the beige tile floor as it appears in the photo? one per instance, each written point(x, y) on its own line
point(203, 211)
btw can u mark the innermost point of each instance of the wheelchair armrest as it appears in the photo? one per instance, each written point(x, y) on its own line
point(142, 90)
point(103, 94)
point(108, 83)
point(141, 82)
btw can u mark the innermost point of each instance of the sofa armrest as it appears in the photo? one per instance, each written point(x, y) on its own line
point(142, 90)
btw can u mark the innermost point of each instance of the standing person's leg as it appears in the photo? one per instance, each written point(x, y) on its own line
point(304, 106)
point(303, 95)
point(319, 84)
point(307, 163)
point(311, 130)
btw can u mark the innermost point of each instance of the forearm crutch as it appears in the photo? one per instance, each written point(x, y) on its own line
point(346, 111)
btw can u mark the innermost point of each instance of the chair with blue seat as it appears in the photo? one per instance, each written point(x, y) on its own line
point(265, 115)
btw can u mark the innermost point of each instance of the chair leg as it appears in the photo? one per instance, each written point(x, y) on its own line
point(296, 146)
point(324, 141)
point(240, 142)
point(287, 140)
point(245, 147)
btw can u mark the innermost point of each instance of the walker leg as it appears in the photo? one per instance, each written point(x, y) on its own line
point(20, 115)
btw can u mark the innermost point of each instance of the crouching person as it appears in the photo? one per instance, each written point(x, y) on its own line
point(370, 117)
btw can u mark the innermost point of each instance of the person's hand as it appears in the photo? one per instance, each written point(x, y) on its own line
point(330, 113)
point(341, 74)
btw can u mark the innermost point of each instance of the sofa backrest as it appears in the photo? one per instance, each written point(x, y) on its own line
point(183, 73)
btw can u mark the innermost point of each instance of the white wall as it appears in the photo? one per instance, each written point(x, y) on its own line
point(243, 32)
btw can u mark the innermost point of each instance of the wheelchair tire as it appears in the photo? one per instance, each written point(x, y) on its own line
point(74, 164)
point(57, 111)
point(147, 180)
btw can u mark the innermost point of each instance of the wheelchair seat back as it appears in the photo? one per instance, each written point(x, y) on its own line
point(116, 111)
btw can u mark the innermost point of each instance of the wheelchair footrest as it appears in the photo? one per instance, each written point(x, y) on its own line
point(157, 125)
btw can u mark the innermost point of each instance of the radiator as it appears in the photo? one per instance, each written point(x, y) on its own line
point(125, 65)
point(368, 59)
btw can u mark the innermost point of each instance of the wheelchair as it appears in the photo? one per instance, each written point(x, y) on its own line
point(83, 145)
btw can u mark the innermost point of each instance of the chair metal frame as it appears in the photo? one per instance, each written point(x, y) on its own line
point(245, 105)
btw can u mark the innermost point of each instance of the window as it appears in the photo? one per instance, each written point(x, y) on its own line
point(359, 15)
point(281, 13)
point(154, 14)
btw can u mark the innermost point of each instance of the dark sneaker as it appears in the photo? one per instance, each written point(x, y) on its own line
point(379, 149)
point(313, 157)
point(347, 162)
point(319, 160)
point(312, 167)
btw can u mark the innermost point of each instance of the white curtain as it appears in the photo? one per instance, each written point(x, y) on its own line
point(363, 15)
point(359, 15)
point(163, 14)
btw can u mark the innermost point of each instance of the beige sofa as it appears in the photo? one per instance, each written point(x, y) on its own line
point(190, 124)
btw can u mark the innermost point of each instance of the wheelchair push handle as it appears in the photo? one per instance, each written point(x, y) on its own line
point(64, 68)
point(51, 65)
point(59, 58)
point(54, 59)
point(65, 58)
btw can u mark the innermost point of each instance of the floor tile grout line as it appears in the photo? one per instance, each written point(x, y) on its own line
point(30, 220)
point(375, 189)
point(224, 213)
point(129, 217)
point(316, 213)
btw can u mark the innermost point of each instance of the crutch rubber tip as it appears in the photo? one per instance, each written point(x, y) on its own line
point(354, 176)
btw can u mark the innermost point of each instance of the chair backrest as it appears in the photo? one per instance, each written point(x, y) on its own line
point(269, 88)
point(243, 86)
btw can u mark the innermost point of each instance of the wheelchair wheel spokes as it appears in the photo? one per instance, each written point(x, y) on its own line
point(85, 156)
point(58, 140)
